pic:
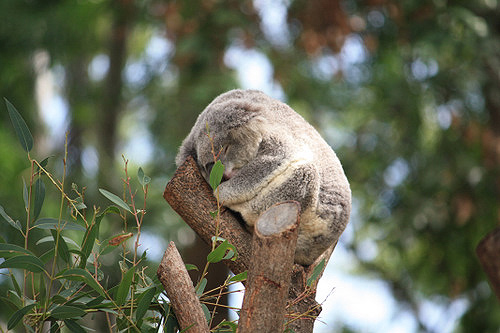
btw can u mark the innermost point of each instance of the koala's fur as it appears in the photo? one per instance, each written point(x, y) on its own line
point(271, 154)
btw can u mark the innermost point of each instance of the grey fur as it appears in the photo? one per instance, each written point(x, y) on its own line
point(271, 154)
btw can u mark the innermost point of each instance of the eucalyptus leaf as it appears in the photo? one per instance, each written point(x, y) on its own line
point(18, 315)
point(220, 252)
point(11, 250)
point(66, 312)
point(74, 327)
point(79, 274)
point(191, 267)
point(316, 272)
point(22, 131)
point(201, 287)
point(216, 174)
point(143, 179)
point(51, 223)
point(124, 286)
point(26, 261)
point(206, 312)
point(51, 239)
point(115, 199)
point(9, 220)
point(62, 247)
point(39, 197)
point(25, 196)
point(239, 277)
point(144, 302)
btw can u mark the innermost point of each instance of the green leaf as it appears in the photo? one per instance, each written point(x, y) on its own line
point(88, 243)
point(79, 204)
point(220, 252)
point(51, 223)
point(67, 311)
point(143, 179)
point(10, 250)
point(39, 197)
point(54, 327)
point(25, 195)
point(206, 312)
point(221, 327)
point(51, 239)
point(62, 247)
point(239, 277)
point(43, 163)
point(144, 302)
point(58, 299)
point(216, 174)
point(115, 199)
point(316, 272)
point(18, 315)
point(92, 233)
point(17, 288)
point(74, 327)
point(25, 261)
point(95, 301)
point(22, 131)
point(201, 287)
point(41, 288)
point(78, 274)
point(229, 255)
point(171, 324)
point(7, 218)
point(191, 267)
point(124, 287)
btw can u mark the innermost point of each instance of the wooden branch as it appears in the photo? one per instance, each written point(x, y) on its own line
point(268, 282)
point(176, 281)
point(488, 252)
point(302, 306)
point(192, 198)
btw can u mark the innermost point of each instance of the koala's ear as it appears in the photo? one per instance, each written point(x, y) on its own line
point(251, 131)
point(187, 149)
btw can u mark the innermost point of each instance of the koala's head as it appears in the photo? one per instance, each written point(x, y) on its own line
point(236, 132)
point(234, 123)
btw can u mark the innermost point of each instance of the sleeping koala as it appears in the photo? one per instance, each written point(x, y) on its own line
point(271, 154)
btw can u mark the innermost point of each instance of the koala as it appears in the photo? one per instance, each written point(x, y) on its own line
point(271, 154)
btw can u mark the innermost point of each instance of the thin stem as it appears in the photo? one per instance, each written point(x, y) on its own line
point(58, 229)
point(28, 218)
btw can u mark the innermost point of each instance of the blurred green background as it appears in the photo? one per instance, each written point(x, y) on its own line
point(406, 92)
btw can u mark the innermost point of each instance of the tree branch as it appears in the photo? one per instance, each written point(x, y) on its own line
point(488, 252)
point(175, 279)
point(273, 246)
point(192, 198)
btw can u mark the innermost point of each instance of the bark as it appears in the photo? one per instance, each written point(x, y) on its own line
point(488, 252)
point(273, 247)
point(191, 197)
point(175, 279)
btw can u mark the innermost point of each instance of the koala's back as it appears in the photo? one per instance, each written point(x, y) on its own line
point(289, 160)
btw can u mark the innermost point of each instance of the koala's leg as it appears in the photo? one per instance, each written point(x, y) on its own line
point(251, 180)
point(272, 159)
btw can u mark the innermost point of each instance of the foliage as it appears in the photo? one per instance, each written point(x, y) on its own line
point(66, 283)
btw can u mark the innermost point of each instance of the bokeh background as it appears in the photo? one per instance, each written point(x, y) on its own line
point(406, 92)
